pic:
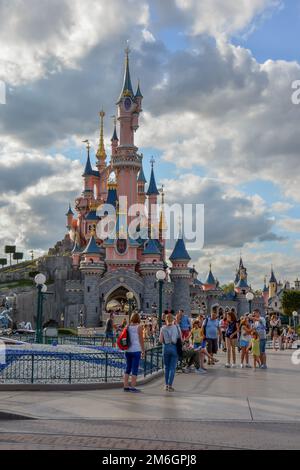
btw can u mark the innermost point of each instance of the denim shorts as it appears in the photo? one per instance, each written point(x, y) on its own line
point(244, 343)
point(262, 345)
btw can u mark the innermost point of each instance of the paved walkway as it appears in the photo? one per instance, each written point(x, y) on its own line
point(221, 409)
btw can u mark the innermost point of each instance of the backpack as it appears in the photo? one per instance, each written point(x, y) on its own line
point(123, 340)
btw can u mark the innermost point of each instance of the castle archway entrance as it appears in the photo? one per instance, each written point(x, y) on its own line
point(116, 300)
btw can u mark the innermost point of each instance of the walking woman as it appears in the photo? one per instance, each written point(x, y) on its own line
point(231, 338)
point(134, 353)
point(169, 335)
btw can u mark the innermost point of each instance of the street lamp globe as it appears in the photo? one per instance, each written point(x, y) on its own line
point(161, 275)
point(295, 314)
point(40, 279)
point(44, 289)
point(249, 296)
point(129, 295)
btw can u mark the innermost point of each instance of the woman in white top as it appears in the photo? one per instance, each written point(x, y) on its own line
point(169, 336)
point(134, 353)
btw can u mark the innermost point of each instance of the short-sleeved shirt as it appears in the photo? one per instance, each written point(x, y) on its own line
point(260, 327)
point(231, 329)
point(211, 328)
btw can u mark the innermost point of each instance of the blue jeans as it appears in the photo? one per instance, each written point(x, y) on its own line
point(170, 360)
point(133, 362)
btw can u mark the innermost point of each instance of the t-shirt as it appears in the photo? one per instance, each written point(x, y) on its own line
point(185, 323)
point(211, 328)
point(244, 335)
point(197, 335)
point(170, 334)
point(231, 329)
point(260, 327)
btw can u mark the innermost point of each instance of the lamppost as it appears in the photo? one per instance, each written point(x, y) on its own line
point(129, 297)
point(62, 319)
point(160, 276)
point(295, 316)
point(40, 280)
point(81, 318)
point(250, 297)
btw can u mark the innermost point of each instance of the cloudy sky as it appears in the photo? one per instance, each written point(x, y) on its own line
point(218, 116)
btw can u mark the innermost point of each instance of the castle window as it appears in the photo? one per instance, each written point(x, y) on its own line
point(147, 305)
point(88, 289)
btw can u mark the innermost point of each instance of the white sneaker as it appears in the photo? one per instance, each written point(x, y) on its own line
point(201, 371)
point(242, 366)
point(227, 365)
point(248, 366)
point(233, 366)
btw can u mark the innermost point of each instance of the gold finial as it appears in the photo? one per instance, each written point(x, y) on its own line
point(101, 154)
point(93, 232)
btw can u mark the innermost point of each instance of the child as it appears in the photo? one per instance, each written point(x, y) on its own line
point(196, 335)
point(203, 351)
point(254, 345)
point(245, 332)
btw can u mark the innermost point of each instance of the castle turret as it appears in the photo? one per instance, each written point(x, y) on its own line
point(141, 187)
point(210, 281)
point(125, 161)
point(70, 217)
point(92, 266)
point(265, 293)
point(272, 285)
point(152, 194)
point(181, 276)
point(114, 139)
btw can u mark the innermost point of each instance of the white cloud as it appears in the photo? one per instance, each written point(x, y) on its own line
point(290, 225)
point(281, 206)
point(221, 18)
point(41, 36)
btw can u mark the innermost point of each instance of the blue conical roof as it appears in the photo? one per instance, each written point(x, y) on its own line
point(141, 177)
point(138, 92)
point(273, 278)
point(112, 197)
point(151, 248)
point(127, 89)
point(115, 135)
point(88, 171)
point(92, 247)
point(242, 284)
point(180, 251)
point(76, 249)
point(210, 280)
point(152, 190)
point(70, 212)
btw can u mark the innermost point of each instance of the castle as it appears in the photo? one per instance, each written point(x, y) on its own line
point(107, 269)
point(91, 273)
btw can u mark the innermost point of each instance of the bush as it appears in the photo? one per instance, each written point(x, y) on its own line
point(67, 332)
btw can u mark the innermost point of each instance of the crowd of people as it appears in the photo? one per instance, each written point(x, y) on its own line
point(192, 345)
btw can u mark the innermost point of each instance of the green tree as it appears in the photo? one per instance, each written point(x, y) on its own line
point(290, 302)
point(3, 262)
point(227, 288)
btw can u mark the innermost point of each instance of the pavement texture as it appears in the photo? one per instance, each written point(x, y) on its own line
point(225, 409)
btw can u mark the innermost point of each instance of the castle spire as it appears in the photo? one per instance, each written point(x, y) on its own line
point(152, 190)
point(88, 171)
point(115, 135)
point(101, 154)
point(127, 89)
